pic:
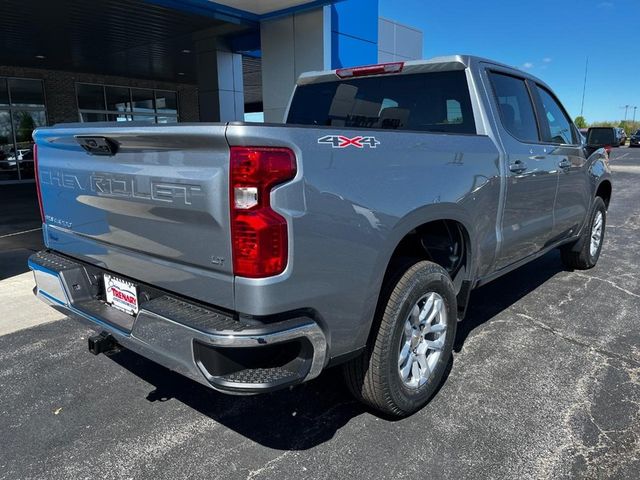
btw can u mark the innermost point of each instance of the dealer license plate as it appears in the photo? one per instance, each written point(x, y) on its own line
point(121, 294)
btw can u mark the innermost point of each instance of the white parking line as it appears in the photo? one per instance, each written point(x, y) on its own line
point(20, 233)
point(626, 168)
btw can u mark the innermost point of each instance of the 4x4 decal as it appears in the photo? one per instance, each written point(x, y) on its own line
point(340, 141)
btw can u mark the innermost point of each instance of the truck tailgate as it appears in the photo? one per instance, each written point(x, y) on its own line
point(153, 206)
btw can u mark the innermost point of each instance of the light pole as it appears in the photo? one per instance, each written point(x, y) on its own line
point(584, 87)
point(626, 110)
point(634, 114)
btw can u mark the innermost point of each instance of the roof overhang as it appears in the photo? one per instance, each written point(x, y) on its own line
point(155, 39)
point(242, 11)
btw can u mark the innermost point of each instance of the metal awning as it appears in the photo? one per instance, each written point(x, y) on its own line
point(242, 10)
point(112, 37)
point(267, 7)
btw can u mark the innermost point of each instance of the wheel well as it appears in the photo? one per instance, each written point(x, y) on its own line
point(444, 242)
point(604, 192)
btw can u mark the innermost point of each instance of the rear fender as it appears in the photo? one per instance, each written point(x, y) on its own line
point(407, 224)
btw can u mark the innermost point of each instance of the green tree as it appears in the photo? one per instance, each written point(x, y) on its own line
point(581, 122)
point(629, 126)
point(606, 123)
point(25, 128)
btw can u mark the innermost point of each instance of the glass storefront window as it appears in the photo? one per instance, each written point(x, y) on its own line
point(8, 161)
point(166, 119)
point(119, 118)
point(144, 118)
point(99, 103)
point(25, 122)
point(26, 93)
point(22, 109)
point(143, 100)
point(90, 97)
point(118, 99)
point(93, 117)
point(166, 102)
point(4, 93)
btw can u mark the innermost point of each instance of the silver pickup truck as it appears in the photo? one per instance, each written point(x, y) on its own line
point(250, 257)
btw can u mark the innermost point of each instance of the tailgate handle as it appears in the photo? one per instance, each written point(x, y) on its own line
point(97, 145)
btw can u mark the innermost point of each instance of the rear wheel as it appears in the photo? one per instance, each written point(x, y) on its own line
point(591, 240)
point(406, 360)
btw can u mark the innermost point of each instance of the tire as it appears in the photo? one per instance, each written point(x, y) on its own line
point(587, 257)
point(375, 376)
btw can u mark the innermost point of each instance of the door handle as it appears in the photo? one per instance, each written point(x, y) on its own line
point(564, 163)
point(518, 166)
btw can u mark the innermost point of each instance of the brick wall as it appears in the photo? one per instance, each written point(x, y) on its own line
point(60, 91)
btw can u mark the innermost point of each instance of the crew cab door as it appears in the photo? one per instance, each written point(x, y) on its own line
point(566, 151)
point(531, 174)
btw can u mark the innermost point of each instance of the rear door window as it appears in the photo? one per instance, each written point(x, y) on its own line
point(430, 102)
point(560, 127)
point(516, 107)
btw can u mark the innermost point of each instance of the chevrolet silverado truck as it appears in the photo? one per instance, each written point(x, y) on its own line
point(251, 257)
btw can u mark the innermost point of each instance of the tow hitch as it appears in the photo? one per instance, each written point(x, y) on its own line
point(101, 343)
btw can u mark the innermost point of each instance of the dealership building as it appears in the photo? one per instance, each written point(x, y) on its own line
point(165, 61)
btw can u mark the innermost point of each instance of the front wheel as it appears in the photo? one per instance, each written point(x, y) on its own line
point(408, 356)
point(591, 240)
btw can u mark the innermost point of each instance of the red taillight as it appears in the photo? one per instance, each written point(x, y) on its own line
point(258, 233)
point(607, 148)
point(37, 175)
point(379, 69)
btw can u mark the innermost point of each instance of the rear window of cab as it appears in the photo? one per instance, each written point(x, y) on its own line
point(428, 102)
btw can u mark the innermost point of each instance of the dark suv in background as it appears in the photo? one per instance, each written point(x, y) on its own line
point(634, 141)
point(603, 137)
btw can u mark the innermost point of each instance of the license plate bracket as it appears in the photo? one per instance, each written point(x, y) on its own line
point(121, 294)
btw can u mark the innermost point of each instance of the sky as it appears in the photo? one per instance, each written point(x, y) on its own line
point(550, 39)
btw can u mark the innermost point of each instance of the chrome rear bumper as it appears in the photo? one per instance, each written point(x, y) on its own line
point(210, 347)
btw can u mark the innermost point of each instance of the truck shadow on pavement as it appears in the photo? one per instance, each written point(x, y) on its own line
point(292, 419)
point(489, 300)
point(310, 414)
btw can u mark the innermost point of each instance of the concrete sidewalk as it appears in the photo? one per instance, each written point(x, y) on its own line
point(20, 236)
point(19, 308)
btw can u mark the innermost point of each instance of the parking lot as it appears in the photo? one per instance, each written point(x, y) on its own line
point(545, 383)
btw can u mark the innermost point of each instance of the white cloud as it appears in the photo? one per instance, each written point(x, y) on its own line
point(605, 5)
point(527, 65)
point(547, 60)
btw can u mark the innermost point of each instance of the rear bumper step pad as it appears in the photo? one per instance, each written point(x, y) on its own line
point(206, 345)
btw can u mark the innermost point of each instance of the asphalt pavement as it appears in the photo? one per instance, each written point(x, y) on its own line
point(20, 232)
point(545, 383)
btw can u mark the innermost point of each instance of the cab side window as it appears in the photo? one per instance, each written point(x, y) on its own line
point(560, 128)
point(516, 108)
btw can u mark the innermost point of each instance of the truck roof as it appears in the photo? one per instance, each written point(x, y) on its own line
point(435, 64)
